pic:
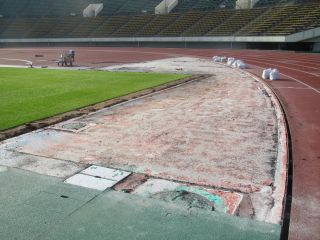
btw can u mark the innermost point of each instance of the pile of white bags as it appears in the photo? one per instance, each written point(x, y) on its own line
point(230, 61)
point(272, 74)
point(239, 64)
point(266, 73)
point(223, 59)
point(215, 58)
point(219, 59)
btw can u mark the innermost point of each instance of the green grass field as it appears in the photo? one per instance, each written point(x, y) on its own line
point(27, 95)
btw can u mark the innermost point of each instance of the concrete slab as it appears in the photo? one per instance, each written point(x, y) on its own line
point(107, 173)
point(117, 215)
point(43, 207)
point(17, 186)
point(31, 204)
point(92, 182)
point(42, 165)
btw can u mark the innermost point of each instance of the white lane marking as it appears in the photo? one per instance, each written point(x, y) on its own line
point(316, 75)
point(314, 89)
point(301, 88)
point(284, 62)
point(15, 59)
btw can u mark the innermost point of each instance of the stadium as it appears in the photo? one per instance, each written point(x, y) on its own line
point(159, 119)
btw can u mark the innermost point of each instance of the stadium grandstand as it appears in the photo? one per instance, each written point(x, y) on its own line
point(241, 23)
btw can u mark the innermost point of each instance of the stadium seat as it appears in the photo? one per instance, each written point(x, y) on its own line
point(131, 18)
point(184, 22)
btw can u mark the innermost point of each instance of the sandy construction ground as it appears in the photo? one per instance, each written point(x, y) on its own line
point(218, 132)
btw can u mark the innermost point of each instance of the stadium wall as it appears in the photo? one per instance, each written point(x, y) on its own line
point(305, 41)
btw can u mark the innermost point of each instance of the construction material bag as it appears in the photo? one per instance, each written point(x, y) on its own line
point(240, 64)
point(266, 73)
point(274, 74)
point(234, 64)
point(230, 61)
point(223, 59)
point(215, 58)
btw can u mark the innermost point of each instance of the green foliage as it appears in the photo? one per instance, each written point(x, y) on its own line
point(27, 95)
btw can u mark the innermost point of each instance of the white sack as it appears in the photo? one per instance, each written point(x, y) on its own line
point(240, 64)
point(215, 58)
point(274, 74)
point(230, 61)
point(223, 59)
point(266, 73)
point(235, 64)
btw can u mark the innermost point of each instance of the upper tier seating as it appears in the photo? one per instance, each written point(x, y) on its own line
point(157, 24)
point(267, 20)
point(264, 3)
point(4, 24)
point(141, 6)
point(12, 8)
point(209, 22)
point(111, 7)
point(65, 27)
point(121, 7)
point(268, 3)
point(86, 27)
point(133, 26)
point(182, 23)
point(191, 5)
point(110, 26)
point(36, 8)
point(18, 28)
point(278, 20)
point(303, 18)
point(238, 20)
point(42, 27)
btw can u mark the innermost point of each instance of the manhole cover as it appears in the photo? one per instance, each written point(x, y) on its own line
point(187, 199)
point(190, 196)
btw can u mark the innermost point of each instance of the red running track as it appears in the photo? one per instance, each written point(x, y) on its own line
point(298, 91)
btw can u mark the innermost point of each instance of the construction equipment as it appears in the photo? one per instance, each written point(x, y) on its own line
point(66, 59)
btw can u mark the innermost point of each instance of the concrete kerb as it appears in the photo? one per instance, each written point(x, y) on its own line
point(281, 172)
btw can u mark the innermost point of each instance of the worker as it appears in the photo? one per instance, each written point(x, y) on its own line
point(72, 53)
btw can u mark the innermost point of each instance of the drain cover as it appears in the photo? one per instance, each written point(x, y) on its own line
point(73, 126)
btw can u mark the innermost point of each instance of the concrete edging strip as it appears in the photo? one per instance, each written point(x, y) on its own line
point(281, 173)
